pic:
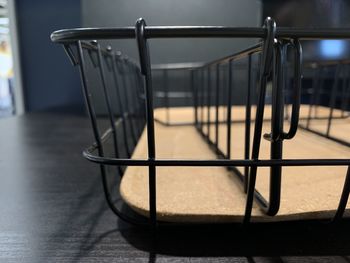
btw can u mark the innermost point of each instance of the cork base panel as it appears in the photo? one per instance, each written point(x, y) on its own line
point(339, 128)
point(186, 114)
point(212, 194)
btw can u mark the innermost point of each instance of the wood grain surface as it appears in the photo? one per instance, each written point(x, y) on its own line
point(53, 210)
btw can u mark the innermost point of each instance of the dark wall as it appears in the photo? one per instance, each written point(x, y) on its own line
point(115, 13)
point(49, 81)
point(313, 14)
point(310, 13)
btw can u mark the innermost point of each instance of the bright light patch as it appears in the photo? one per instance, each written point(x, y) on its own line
point(332, 48)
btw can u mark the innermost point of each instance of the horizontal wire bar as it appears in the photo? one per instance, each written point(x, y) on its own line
point(177, 66)
point(190, 66)
point(219, 162)
point(89, 46)
point(239, 55)
point(71, 35)
point(236, 56)
point(335, 62)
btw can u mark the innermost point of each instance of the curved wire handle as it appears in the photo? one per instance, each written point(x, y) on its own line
point(294, 121)
point(278, 134)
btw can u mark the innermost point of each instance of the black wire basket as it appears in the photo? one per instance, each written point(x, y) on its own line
point(272, 98)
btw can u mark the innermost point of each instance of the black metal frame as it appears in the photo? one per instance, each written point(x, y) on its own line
point(272, 48)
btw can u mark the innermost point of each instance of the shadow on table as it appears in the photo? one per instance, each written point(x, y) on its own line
point(302, 238)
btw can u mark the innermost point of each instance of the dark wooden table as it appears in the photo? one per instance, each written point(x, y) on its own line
point(53, 210)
